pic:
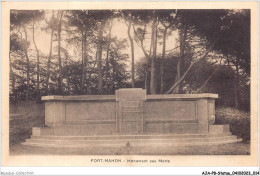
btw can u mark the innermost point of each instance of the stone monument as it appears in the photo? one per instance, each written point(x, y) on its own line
point(130, 116)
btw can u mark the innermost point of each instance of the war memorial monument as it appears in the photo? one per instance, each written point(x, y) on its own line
point(130, 116)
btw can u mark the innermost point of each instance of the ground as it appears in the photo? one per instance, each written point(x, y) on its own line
point(239, 148)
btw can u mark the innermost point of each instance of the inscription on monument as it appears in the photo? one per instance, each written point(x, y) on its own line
point(130, 112)
point(132, 117)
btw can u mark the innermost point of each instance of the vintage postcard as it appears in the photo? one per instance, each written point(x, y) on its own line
point(129, 84)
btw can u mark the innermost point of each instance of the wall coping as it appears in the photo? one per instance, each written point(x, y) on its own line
point(113, 97)
point(181, 96)
point(81, 98)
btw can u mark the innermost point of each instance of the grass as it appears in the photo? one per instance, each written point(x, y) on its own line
point(20, 127)
point(239, 121)
point(23, 116)
point(229, 112)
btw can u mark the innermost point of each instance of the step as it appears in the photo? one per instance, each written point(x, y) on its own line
point(144, 144)
point(150, 136)
point(123, 141)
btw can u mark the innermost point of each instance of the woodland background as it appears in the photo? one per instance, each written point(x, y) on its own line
point(86, 52)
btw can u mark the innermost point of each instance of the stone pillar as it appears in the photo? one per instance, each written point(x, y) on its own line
point(206, 114)
point(211, 110)
point(54, 113)
point(202, 105)
point(130, 113)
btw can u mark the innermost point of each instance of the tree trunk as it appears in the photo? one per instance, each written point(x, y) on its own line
point(107, 56)
point(236, 85)
point(162, 61)
point(112, 61)
point(49, 62)
point(207, 80)
point(146, 80)
point(147, 57)
point(132, 54)
point(83, 51)
point(38, 66)
point(12, 77)
point(183, 34)
point(59, 56)
point(27, 65)
point(99, 57)
point(67, 80)
point(189, 68)
point(153, 82)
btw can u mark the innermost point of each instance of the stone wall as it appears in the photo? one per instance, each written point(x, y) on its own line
point(90, 111)
point(131, 111)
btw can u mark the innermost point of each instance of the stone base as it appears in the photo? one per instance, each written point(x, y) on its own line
point(133, 140)
point(75, 130)
point(218, 129)
point(172, 128)
point(41, 131)
point(104, 135)
point(108, 129)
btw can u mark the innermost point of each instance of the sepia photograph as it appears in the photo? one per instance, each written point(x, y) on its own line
point(130, 82)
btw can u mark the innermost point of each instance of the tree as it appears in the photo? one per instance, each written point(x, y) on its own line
point(118, 76)
point(37, 15)
point(84, 22)
point(183, 36)
point(25, 49)
point(238, 43)
point(108, 50)
point(208, 25)
point(129, 22)
point(20, 20)
point(15, 49)
point(168, 20)
point(99, 55)
point(101, 18)
point(60, 15)
point(51, 27)
point(210, 76)
point(153, 82)
point(129, 26)
point(87, 56)
point(140, 35)
point(227, 39)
